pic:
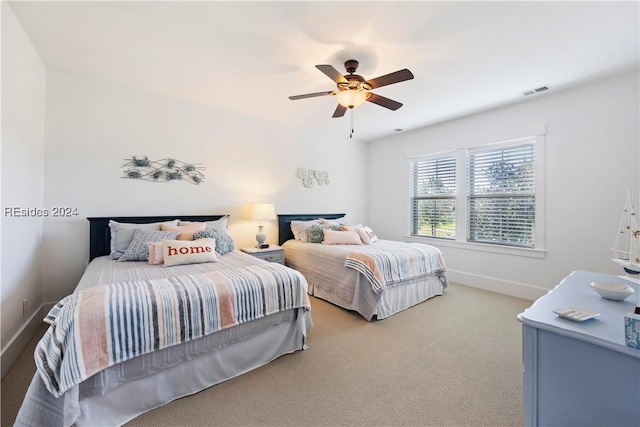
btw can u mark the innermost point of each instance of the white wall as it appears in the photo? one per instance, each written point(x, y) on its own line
point(23, 121)
point(93, 126)
point(591, 157)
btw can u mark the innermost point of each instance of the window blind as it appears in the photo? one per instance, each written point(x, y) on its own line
point(433, 197)
point(501, 195)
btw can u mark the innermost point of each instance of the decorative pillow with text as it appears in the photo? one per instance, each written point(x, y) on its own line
point(177, 252)
point(367, 235)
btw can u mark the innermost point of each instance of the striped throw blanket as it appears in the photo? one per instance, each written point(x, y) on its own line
point(108, 324)
point(394, 264)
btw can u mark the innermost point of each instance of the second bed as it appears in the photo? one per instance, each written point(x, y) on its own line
point(332, 273)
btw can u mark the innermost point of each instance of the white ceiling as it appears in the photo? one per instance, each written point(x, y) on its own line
point(248, 57)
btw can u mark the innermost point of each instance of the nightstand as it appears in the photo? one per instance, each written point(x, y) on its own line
point(273, 253)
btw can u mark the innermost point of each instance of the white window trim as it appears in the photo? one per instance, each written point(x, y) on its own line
point(482, 247)
point(409, 188)
point(462, 219)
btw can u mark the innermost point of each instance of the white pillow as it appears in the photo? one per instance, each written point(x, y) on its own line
point(350, 227)
point(367, 235)
point(335, 221)
point(122, 234)
point(341, 238)
point(299, 229)
point(221, 223)
point(177, 252)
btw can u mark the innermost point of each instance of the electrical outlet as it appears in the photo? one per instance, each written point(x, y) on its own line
point(24, 306)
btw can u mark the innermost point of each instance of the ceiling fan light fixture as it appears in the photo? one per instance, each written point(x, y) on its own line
point(354, 90)
point(352, 98)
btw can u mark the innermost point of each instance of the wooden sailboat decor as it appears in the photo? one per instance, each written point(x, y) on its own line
point(626, 249)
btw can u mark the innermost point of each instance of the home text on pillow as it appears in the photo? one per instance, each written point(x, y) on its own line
point(178, 252)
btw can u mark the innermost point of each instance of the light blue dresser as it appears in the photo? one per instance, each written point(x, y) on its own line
point(580, 373)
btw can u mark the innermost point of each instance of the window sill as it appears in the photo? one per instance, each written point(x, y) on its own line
point(507, 250)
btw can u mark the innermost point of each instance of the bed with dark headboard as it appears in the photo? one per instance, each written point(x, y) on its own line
point(205, 342)
point(100, 233)
point(284, 223)
point(340, 271)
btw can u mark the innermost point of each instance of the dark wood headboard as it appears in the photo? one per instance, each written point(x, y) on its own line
point(284, 223)
point(100, 233)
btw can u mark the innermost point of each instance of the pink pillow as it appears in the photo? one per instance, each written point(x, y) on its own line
point(332, 237)
point(186, 231)
point(155, 253)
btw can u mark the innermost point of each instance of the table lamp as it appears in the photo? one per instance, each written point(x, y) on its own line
point(262, 212)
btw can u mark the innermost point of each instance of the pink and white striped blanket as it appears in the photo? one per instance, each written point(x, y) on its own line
point(104, 325)
point(390, 265)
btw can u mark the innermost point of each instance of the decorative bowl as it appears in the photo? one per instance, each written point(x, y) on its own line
point(615, 291)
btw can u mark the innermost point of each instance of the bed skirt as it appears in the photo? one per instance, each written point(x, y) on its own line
point(393, 299)
point(118, 395)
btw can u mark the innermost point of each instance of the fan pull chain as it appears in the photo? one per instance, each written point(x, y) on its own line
point(352, 123)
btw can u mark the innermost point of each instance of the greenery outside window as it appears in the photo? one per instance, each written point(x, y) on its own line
point(501, 195)
point(433, 199)
point(488, 197)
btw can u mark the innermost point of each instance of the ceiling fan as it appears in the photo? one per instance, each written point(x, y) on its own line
point(353, 90)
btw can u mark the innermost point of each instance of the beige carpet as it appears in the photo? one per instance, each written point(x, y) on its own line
point(454, 360)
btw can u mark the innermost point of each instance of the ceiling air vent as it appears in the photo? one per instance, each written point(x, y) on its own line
point(536, 90)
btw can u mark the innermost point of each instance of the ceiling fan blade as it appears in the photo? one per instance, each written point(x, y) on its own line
point(332, 73)
point(310, 95)
point(384, 102)
point(340, 110)
point(388, 79)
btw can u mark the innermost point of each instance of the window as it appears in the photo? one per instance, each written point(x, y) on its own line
point(489, 195)
point(501, 195)
point(433, 198)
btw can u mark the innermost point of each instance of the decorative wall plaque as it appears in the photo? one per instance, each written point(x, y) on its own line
point(163, 170)
point(307, 177)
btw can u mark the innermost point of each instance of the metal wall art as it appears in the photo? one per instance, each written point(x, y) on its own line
point(163, 170)
point(307, 177)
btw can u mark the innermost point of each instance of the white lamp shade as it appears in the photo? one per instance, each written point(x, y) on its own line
point(263, 212)
point(351, 98)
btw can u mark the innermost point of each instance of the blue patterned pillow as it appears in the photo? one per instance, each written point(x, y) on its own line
point(138, 249)
point(315, 232)
point(224, 242)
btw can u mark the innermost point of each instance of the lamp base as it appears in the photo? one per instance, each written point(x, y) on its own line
point(261, 236)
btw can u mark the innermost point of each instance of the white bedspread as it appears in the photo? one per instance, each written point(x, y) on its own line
point(324, 268)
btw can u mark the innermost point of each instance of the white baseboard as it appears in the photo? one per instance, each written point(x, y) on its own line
point(21, 339)
point(491, 284)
